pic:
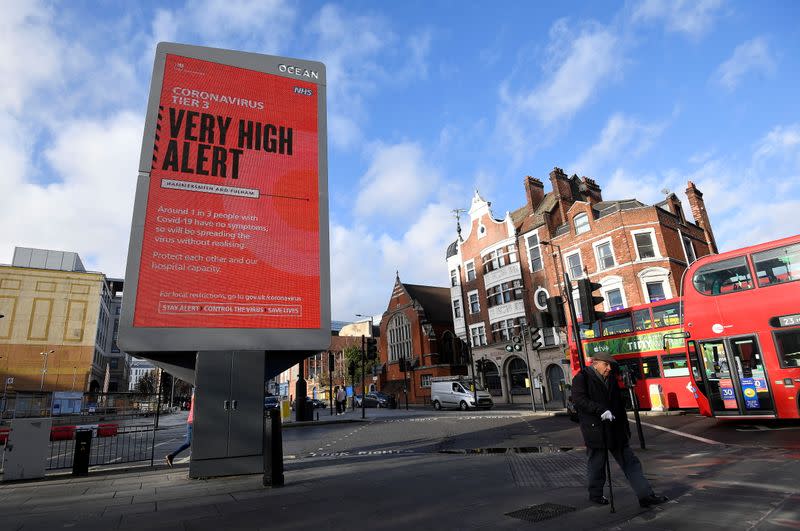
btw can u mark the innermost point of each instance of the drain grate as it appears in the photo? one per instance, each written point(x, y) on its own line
point(543, 511)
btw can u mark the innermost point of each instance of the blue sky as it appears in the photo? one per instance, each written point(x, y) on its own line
point(427, 102)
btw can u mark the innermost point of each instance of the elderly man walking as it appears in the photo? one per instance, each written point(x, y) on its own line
point(605, 429)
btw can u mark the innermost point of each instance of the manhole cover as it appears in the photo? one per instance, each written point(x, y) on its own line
point(543, 511)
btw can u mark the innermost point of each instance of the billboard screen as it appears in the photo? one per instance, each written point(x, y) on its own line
point(229, 242)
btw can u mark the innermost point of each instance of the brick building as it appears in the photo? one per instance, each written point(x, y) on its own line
point(504, 270)
point(417, 326)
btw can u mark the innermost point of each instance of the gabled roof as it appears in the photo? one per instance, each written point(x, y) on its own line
point(434, 300)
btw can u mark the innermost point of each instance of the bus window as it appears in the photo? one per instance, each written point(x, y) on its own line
point(788, 343)
point(590, 331)
point(617, 325)
point(641, 320)
point(650, 368)
point(778, 265)
point(674, 365)
point(723, 277)
point(667, 315)
point(715, 360)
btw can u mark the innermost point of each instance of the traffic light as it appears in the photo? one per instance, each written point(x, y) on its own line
point(351, 368)
point(372, 348)
point(331, 361)
point(555, 307)
point(401, 364)
point(589, 300)
point(536, 337)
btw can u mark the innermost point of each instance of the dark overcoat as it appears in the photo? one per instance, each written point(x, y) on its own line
point(591, 398)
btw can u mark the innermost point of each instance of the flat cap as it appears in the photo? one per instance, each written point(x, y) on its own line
point(603, 356)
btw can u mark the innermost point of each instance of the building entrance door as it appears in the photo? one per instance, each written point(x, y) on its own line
point(555, 379)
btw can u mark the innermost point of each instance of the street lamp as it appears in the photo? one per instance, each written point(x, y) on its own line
point(44, 367)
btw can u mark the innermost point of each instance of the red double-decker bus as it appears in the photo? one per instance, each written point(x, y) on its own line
point(742, 321)
point(647, 341)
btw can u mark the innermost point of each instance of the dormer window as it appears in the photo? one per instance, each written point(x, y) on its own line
point(581, 222)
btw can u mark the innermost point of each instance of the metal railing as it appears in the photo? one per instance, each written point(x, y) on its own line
point(111, 444)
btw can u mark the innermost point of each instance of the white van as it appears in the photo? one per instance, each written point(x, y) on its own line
point(457, 392)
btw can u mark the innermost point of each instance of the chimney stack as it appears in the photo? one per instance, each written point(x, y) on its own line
point(534, 190)
point(700, 215)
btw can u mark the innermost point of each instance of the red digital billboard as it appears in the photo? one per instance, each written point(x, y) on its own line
point(231, 235)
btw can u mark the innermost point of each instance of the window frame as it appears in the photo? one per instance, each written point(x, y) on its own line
point(660, 283)
point(684, 240)
point(719, 266)
point(601, 266)
point(398, 337)
point(469, 270)
point(477, 302)
point(653, 242)
point(457, 310)
point(568, 266)
point(792, 247)
point(480, 328)
point(454, 278)
point(538, 248)
point(585, 226)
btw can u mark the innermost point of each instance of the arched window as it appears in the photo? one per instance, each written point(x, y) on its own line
point(446, 348)
point(517, 373)
point(581, 222)
point(491, 377)
point(399, 331)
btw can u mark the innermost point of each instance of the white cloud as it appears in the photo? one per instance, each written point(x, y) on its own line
point(782, 141)
point(30, 52)
point(646, 187)
point(89, 209)
point(751, 56)
point(397, 182)
point(584, 63)
point(754, 198)
point(364, 265)
point(692, 17)
point(622, 134)
point(578, 64)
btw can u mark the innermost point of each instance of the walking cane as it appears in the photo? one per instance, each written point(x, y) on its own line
point(608, 467)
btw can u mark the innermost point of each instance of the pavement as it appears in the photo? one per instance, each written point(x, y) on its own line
point(710, 486)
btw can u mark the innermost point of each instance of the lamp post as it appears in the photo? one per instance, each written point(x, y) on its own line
point(44, 367)
point(74, 374)
point(363, 368)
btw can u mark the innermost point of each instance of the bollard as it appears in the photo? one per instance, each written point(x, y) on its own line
point(273, 450)
point(83, 447)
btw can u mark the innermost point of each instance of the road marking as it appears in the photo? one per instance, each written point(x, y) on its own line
point(676, 432)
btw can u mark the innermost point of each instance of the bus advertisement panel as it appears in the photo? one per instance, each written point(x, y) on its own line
point(742, 314)
point(233, 206)
point(647, 342)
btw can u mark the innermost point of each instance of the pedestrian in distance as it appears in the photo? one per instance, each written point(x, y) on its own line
point(341, 399)
point(605, 428)
point(187, 442)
